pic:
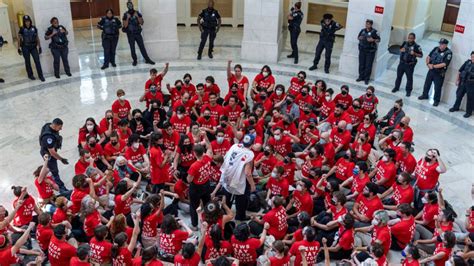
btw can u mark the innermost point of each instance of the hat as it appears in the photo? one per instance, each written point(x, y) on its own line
point(327, 16)
point(26, 17)
point(443, 41)
point(248, 140)
point(3, 240)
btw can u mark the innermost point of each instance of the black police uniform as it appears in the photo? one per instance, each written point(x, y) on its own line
point(29, 36)
point(134, 34)
point(50, 139)
point(210, 21)
point(110, 35)
point(436, 75)
point(466, 86)
point(295, 30)
point(59, 49)
point(327, 37)
point(367, 52)
point(407, 65)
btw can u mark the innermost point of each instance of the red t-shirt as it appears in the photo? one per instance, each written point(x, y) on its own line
point(404, 231)
point(43, 235)
point(295, 86)
point(180, 125)
point(407, 133)
point(156, 81)
point(245, 252)
point(282, 146)
point(278, 187)
point(382, 234)
point(186, 158)
point(171, 141)
point(100, 251)
point(122, 206)
point(284, 261)
point(277, 219)
point(80, 167)
point(344, 169)
point(267, 165)
point(172, 243)
point(124, 257)
point(329, 153)
point(447, 254)
point(220, 149)
point(406, 164)
point(402, 195)
point(429, 212)
point(356, 116)
point(344, 100)
point(368, 104)
point(154, 262)
point(136, 156)
point(386, 171)
point(200, 170)
point(346, 238)
point(327, 108)
point(59, 216)
point(150, 97)
point(159, 174)
point(60, 252)
point(24, 215)
point(338, 138)
point(358, 183)
point(75, 261)
point(309, 164)
point(150, 224)
point(240, 83)
point(312, 250)
point(366, 147)
point(216, 110)
point(213, 253)
point(232, 114)
point(371, 130)
point(306, 138)
point(303, 202)
point(367, 206)
point(122, 110)
point(76, 199)
point(264, 82)
point(179, 260)
point(7, 258)
point(426, 175)
point(45, 190)
point(91, 222)
point(410, 263)
point(110, 150)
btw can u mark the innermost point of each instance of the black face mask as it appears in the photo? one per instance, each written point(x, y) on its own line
point(263, 97)
point(327, 190)
point(138, 119)
point(234, 92)
point(398, 182)
point(178, 88)
point(286, 123)
point(304, 93)
point(396, 109)
point(286, 160)
point(223, 125)
point(109, 117)
point(366, 194)
point(344, 92)
point(207, 117)
point(355, 106)
point(393, 138)
point(401, 124)
point(266, 153)
point(439, 239)
point(369, 94)
point(123, 167)
point(311, 126)
point(427, 159)
point(114, 143)
point(311, 155)
point(251, 122)
point(92, 145)
point(346, 156)
point(288, 102)
point(187, 81)
point(306, 112)
point(340, 130)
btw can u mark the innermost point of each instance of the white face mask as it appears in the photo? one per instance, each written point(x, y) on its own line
point(424, 200)
point(375, 222)
point(278, 92)
point(90, 127)
point(299, 188)
point(136, 145)
point(274, 175)
point(122, 98)
point(340, 219)
point(277, 137)
point(180, 116)
point(265, 73)
point(220, 140)
point(208, 84)
point(384, 158)
point(97, 205)
point(328, 98)
point(269, 202)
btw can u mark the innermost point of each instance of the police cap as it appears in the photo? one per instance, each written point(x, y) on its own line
point(443, 41)
point(327, 16)
point(26, 17)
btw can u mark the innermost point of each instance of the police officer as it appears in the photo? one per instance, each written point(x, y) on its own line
point(110, 26)
point(29, 44)
point(409, 51)
point(209, 22)
point(368, 39)
point(2, 42)
point(294, 22)
point(132, 25)
point(327, 37)
point(437, 61)
point(50, 141)
point(57, 33)
point(465, 82)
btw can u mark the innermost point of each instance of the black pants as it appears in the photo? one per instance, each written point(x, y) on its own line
point(53, 168)
point(436, 77)
point(366, 60)
point(212, 36)
point(60, 53)
point(460, 92)
point(241, 202)
point(198, 193)
point(407, 69)
point(109, 43)
point(138, 38)
point(31, 50)
point(294, 33)
point(327, 46)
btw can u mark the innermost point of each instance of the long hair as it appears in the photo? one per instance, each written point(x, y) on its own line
point(119, 225)
point(119, 241)
point(216, 236)
point(169, 224)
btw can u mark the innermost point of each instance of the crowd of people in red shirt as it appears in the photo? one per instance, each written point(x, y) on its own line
point(330, 179)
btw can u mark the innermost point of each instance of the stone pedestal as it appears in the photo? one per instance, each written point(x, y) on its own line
point(263, 27)
point(462, 45)
point(160, 30)
point(358, 12)
point(41, 11)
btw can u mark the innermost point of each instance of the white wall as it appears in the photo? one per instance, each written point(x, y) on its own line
point(436, 11)
point(410, 16)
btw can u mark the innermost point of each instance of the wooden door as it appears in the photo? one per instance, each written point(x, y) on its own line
point(450, 15)
point(87, 9)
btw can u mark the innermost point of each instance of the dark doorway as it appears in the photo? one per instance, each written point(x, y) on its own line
point(85, 10)
point(450, 15)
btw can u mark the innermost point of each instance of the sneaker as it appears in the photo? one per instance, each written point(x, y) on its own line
point(313, 67)
point(422, 97)
point(435, 104)
point(466, 115)
point(104, 67)
point(199, 57)
point(395, 90)
point(113, 64)
point(150, 62)
point(134, 63)
point(452, 109)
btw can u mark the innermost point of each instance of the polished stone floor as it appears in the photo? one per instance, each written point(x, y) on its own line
point(26, 105)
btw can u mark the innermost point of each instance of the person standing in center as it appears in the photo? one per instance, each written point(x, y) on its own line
point(294, 21)
point(110, 25)
point(465, 82)
point(29, 44)
point(209, 22)
point(327, 37)
point(132, 25)
point(58, 35)
point(368, 39)
point(409, 51)
point(437, 61)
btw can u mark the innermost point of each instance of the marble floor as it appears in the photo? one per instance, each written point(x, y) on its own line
point(26, 105)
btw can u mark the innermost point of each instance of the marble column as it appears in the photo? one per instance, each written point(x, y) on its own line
point(160, 30)
point(41, 11)
point(263, 30)
point(462, 45)
point(357, 13)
